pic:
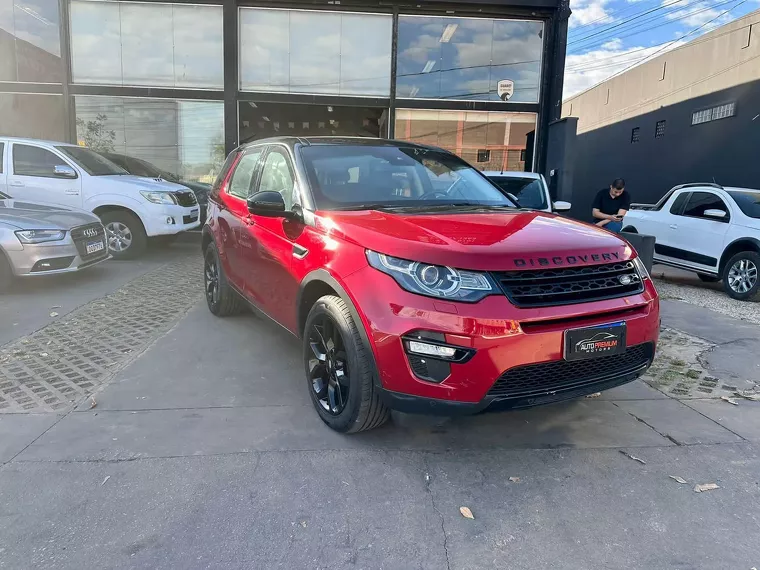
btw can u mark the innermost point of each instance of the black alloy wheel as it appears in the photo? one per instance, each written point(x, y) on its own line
point(211, 278)
point(328, 365)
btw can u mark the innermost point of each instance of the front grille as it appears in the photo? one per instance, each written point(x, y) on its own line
point(81, 240)
point(563, 286)
point(545, 377)
point(185, 198)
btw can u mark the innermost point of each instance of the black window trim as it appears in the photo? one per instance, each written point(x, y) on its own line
point(64, 162)
point(725, 220)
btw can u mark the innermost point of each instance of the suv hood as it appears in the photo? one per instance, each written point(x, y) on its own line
point(19, 215)
point(480, 241)
point(127, 182)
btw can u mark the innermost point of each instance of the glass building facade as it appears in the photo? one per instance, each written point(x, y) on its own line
point(181, 84)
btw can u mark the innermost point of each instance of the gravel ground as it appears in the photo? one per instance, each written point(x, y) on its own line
point(684, 286)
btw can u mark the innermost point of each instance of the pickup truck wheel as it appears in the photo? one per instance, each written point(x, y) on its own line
point(740, 277)
point(6, 274)
point(125, 234)
point(339, 371)
point(221, 298)
point(705, 278)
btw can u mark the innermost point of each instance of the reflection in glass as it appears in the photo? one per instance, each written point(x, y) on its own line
point(30, 48)
point(464, 133)
point(32, 116)
point(127, 43)
point(466, 58)
point(183, 138)
point(298, 51)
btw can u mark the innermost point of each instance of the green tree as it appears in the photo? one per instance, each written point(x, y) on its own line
point(95, 135)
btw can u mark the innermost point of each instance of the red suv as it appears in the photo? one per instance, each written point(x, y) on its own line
point(415, 284)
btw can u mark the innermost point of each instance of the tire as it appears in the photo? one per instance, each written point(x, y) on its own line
point(6, 274)
point(740, 276)
point(225, 301)
point(704, 278)
point(630, 230)
point(349, 359)
point(131, 240)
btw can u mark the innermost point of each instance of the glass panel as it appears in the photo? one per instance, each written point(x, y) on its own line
point(276, 177)
point(30, 48)
point(242, 178)
point(125, 43)
point(34, 161)
point(469, 58)
point(184, 139)
point(296, 51)
point(464, 133)
point(32, 116)
point(261, 120)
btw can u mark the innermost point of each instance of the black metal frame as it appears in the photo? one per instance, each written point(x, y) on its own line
point(553, 13)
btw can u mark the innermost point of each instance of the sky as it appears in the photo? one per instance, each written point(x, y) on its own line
point(607, 36)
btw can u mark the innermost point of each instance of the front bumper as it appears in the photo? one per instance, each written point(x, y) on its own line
point(169, 219)
point(51, 258)
point(503, 338)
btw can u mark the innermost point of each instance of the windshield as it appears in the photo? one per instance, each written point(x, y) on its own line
point(748, 202)
point(362, 177)
point(530, 192)
point(92, 163)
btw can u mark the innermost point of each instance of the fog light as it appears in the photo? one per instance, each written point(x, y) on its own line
point(431, 349)
point(170, 220)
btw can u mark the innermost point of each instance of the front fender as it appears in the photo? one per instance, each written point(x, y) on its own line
point(120, 201)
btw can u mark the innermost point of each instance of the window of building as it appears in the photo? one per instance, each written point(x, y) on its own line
point(166, 45)
point(466, 132)
point(30, 45)
point(34, 161)
point(713, 114)
point(300, 51)
point(469, 58)
point(635, 135)
point(659, 130)
point(245, 171)
point(182, 138)
point(32, 116)
point(701, 201)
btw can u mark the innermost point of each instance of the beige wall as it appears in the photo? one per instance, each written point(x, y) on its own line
point(715, 61)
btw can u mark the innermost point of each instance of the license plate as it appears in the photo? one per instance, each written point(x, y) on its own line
point(94, 246)
point(592, 342)
point(194, 213)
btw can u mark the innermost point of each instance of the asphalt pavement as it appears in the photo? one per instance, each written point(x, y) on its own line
point(201, 449)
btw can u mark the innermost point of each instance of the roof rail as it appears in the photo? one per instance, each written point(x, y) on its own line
point(697, 185)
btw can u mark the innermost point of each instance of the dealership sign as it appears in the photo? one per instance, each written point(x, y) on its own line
point(505, 88)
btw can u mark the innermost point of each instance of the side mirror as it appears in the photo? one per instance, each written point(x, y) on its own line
point(64, 171)
point(269, 204)
point(561, 206)
point(715, 213)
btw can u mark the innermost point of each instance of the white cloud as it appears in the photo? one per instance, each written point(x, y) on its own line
point(697, 14)
point(585, 70)
point(589, 11)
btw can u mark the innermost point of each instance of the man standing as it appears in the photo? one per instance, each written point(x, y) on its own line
point(611, 205)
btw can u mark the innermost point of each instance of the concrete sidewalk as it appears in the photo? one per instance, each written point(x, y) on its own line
point(204, 451)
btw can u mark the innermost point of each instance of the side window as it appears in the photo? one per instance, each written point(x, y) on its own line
point(2, 148)
point(276, 176)
point(701, 201)
point(245, 172)
point(677, 206)
point(34, 161)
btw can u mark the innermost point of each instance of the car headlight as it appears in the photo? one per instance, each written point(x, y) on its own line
point(40, 236)
point(639, 265)
point(434, 280)
point(159, 197)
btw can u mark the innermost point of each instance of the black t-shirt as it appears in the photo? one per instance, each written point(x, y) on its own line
point(606, 204)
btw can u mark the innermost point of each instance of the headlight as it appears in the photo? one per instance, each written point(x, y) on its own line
point(40, 236)
point(433, 280)
point(159, 197)
point(639, 265)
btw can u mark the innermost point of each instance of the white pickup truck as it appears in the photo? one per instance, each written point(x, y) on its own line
point(132, 208)
point(706, 228)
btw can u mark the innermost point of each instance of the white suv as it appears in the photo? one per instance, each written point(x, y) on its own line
point(132, 208)
point(706, 228)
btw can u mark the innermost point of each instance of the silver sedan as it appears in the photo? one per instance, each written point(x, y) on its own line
point(42, 239)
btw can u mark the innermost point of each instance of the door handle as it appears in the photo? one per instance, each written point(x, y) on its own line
point(15, 183)
point(673, 227)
